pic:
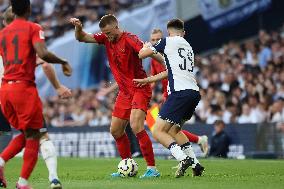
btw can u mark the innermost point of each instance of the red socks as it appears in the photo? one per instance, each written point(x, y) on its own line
point(14, 147)
point(146, 147)
point(191, 137)
point(30, 157)
point(30, 153)
point(123, 146)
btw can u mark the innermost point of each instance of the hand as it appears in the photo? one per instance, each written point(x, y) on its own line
point(66, 68)
point(64, 92)
point(147, 45)
point(102, 92)
point(141, 82)
point(76, 22)
point(39, 61)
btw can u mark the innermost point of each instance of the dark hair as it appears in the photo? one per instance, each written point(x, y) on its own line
point(219, 122)
point(107, 19)
point(176, 24)
point(20, 7)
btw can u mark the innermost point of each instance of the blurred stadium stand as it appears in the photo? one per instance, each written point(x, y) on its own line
point(247, 141)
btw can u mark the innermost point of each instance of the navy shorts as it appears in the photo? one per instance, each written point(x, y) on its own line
point(180, 106)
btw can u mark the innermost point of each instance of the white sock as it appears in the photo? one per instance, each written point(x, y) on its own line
point(189, 152)
point(177, 152)
point(22, 182)
point(151, 167)
point(2, 162)
point(49, 155)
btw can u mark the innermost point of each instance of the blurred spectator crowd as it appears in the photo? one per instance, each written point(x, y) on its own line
point(53, 15)
point(244, 82)
point(240, 83)
point(87, 107)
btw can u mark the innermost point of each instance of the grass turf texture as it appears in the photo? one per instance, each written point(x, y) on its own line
point(94, 174)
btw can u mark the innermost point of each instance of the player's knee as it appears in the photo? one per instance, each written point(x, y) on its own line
point(156, 132)
point(116, 132)
point(137, 125)
point(155, 135)
point(137, 128)
point(137, 118)
point(32, 134)
point(173, 131)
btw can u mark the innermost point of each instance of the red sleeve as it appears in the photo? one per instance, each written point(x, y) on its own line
point(37, 34)
point(100, 38)
point(153, 68)
point(134, 42)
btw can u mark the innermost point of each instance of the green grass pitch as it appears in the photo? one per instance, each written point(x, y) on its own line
point(94, 174)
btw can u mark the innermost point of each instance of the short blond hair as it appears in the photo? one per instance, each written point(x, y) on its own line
point(157, 30)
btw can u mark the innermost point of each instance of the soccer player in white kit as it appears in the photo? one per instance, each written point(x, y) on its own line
point(183, 95)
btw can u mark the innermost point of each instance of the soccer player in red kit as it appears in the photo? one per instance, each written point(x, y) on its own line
point(47, 147)
point(156, 68)
point(19, 43)
point(132, 102)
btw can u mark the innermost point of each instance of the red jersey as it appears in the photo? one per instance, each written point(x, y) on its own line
point(156, 68)
point(16, 48)
point(124, 61)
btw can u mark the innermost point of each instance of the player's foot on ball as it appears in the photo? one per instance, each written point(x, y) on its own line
point(204, 144)
point(23, 187)
point(182, 166)
point(115, 175)
point(55, 184)
point(3, 183)
point(151, 173)
point(197, 170)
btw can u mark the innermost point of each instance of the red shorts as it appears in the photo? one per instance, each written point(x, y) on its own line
point(125, 103)
point(21, 105)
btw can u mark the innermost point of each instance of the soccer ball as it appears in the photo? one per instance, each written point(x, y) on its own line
point(127, 168)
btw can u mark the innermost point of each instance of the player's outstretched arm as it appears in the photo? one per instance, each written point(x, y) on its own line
point(62, 91)
point(49, 57)
point(146, 51)
point(149, 51)
point(151, 79)
point(79, 33)
point(159, 58)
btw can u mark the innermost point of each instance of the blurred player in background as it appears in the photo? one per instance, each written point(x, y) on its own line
point(132, 102)
point(183, 95)
point(20, 42)
point(156, 68)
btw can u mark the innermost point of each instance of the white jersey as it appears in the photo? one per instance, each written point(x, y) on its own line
point(179, 58)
